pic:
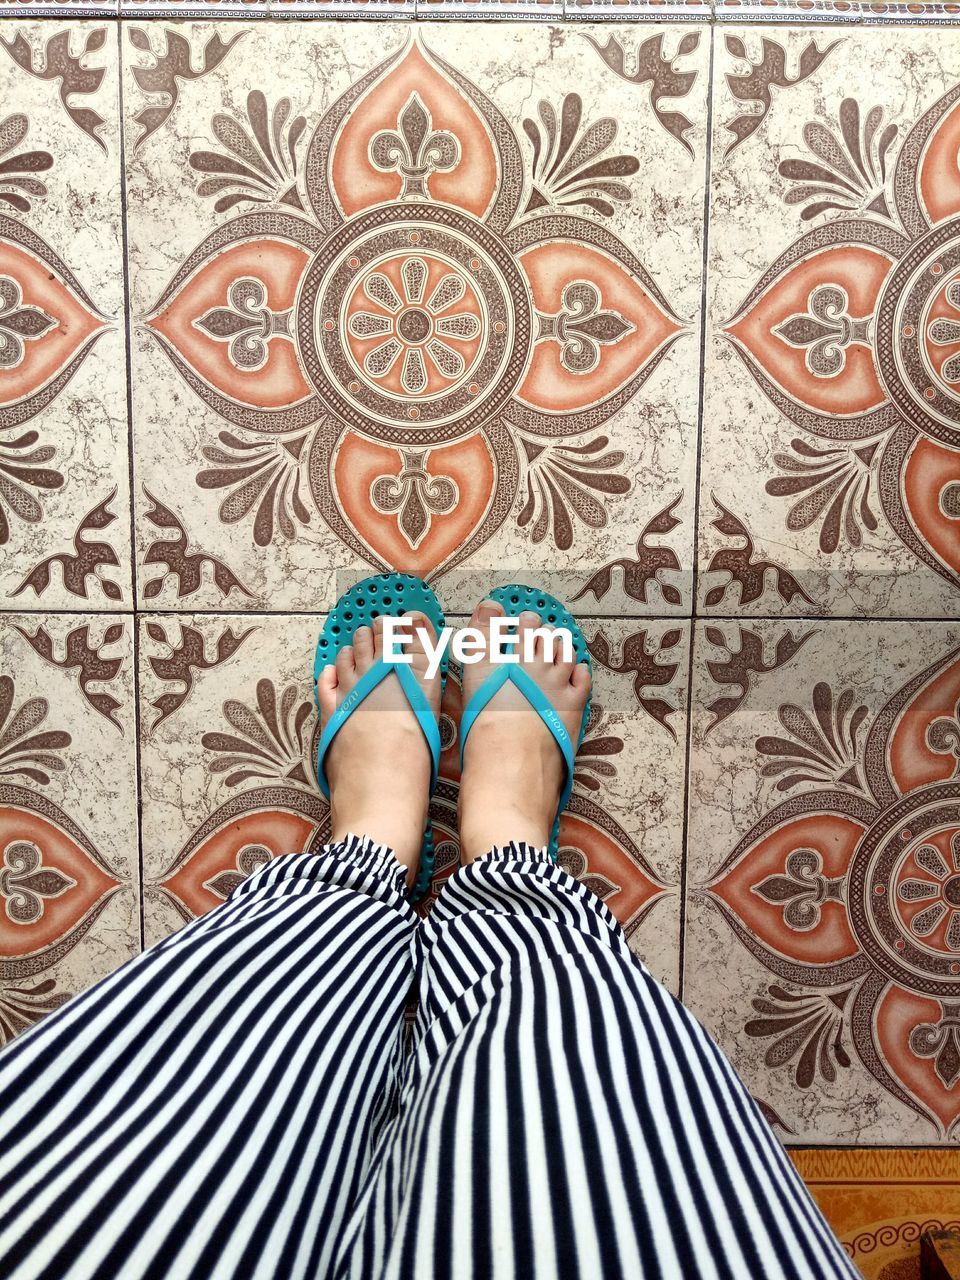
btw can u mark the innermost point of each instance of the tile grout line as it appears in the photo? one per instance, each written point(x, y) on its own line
point(741, 618)
point(570, 13)
point(133, 532)
point(777, 16)
point(696, 514)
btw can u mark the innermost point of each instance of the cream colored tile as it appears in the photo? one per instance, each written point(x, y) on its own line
point(821, 939)
point(68, 808)
point(64, 504)
point(263, 462)
point(819, 437)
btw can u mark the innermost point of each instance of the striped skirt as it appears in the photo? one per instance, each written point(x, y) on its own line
point(240, 1101)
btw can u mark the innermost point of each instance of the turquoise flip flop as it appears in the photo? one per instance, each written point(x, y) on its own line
point(386, 595)
point(516, 600)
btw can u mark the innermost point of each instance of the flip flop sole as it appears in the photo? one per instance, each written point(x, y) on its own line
point(517, 599)
point(383, 595)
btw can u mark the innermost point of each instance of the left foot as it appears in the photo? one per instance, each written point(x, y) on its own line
point(513, 771)
point(378, 765)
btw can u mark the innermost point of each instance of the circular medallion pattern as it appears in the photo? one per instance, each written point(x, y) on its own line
point(904, 892)
point(918, 334)
point(928, 890)
point(415, 323)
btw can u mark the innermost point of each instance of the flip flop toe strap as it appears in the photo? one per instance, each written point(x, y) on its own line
point(365, 685)
point(540, 703)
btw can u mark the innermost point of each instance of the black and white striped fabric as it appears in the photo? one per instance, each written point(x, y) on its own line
point(237, 1102)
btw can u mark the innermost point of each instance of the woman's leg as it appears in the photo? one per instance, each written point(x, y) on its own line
point(564, 1115)
point(208, 1110)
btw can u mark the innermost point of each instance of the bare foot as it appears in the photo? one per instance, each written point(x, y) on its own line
point(513, 771)
point(378, 765)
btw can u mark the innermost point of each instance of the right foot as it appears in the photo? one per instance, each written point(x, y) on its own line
point(378, 765)
point(513, 772)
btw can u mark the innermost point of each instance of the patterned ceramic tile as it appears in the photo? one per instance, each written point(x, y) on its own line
point(404, 305)
point(832, 391)
point(823, 925)
point(880, 1202)
point(68, 809)
point(64, 491)
point(229, 741)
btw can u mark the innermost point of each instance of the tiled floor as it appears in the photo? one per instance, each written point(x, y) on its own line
point(667, 316)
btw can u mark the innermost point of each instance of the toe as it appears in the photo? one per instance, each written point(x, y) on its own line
point(564, 653)
point(363, 648)
point(480, 621)
point(528, 622)
point(484, 611)
point(549, 647)
point(581, 679)
point(378, 636)
point(419, 623)
point(345, 664)
point(327, 690)
point(420, 626)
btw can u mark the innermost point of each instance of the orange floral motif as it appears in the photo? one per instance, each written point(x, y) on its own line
point(854, 890)
point(414, 325)
point(48, 325)
point(854, 333)
point(43, 324)
point(455, 480)
point(187, 324)
point(607, 861)
point(202, 880)
point(362, 175)
point(640, 328)
point(856, 274)
point(414, 320)
point(51, 877)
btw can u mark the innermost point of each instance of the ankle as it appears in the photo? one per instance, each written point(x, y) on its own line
point(507, 796)
point(486, 823)
point(399, 826)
